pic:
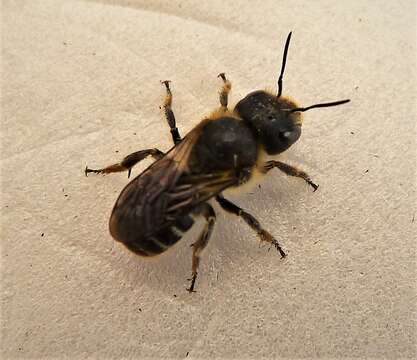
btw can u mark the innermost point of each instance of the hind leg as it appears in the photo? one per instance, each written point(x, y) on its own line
point(207, 211)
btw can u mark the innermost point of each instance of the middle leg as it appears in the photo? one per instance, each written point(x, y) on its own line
point(251, 221)
point(290, 171)
point(128, 162)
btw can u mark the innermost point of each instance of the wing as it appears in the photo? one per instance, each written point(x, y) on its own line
point(163, 192)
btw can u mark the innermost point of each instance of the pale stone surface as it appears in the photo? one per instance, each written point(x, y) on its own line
point(80, 85)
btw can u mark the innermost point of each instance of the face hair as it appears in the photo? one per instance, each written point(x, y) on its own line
point(340, 102)
point(284, 60)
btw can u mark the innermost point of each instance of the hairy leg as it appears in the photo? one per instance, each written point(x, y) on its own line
point(207, 211)
point(251, 221)
point(291, 171)
point(127, 163)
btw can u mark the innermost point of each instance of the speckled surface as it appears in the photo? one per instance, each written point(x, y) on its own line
point(80, 85)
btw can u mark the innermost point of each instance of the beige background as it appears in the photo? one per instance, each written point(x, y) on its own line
point(80, 85)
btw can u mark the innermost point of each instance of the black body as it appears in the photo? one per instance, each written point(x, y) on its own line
point(225, 143)
point(154, 209)
point(277, 128)
point(158, 206)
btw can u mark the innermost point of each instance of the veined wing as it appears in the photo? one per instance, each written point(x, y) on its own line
point(165, 190)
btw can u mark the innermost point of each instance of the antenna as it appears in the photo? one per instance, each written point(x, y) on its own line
point(284, 60)
point(319, 106)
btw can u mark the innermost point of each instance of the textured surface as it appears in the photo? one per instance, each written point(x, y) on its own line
point(80, 85)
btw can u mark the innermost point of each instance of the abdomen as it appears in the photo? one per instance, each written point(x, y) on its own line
point(134, 238)
point(139, 219)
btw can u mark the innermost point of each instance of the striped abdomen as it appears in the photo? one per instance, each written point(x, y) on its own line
point(160, 240)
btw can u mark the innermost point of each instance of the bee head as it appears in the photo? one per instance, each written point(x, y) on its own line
point(276, 119)
point(277, 128)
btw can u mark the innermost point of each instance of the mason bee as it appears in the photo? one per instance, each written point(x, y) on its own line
point(223, 151)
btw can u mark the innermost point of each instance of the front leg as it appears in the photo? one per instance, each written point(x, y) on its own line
point(169, 114)
point(290, 170)
point(128, 162)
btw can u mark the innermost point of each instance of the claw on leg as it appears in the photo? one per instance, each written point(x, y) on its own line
point(166, 83)
point(313, 185)
point(266, 236)
point(193, 279)
point(222, 76)
point(96, 171)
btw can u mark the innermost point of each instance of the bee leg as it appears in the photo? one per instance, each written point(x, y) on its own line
point(128, 162)
point(207, 211)
point(169, 114)
point(291, 171)
point(251, 221)
point(224, 91)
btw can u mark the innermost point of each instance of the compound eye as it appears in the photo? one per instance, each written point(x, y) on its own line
point(290, 136)
point(285, 135)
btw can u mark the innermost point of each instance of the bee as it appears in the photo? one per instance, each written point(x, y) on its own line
point(223, 151)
